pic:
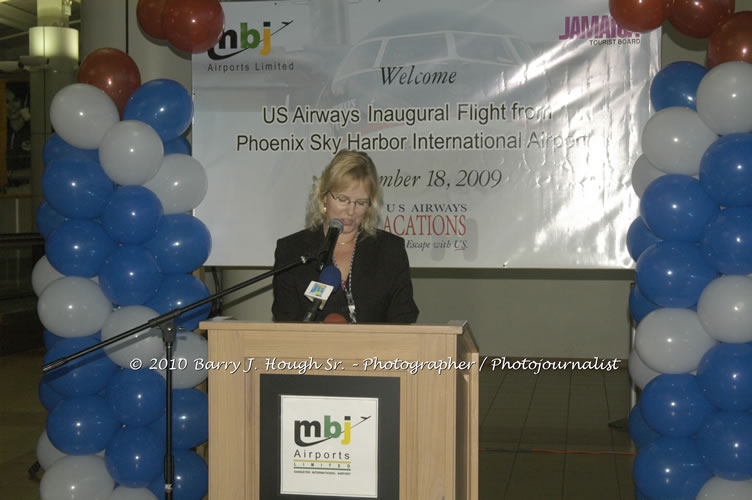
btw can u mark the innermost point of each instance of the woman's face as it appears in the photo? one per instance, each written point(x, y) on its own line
point(348, 204)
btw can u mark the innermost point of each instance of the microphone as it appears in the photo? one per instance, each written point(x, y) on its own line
point(327, 249)
point(319, 292)
point(335, 318)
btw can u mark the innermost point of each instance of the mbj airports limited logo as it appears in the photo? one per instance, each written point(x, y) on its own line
point(324, 449)
point(334, 437)
point(234, 41)
point(331, 429)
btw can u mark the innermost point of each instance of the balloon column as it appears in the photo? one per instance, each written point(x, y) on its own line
point(692, 242)
point(119, 251)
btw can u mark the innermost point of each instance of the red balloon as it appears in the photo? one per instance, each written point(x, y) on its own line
point(113, 71)
point(193, 25)
point(698, 18)
point(640, 15)
point(732, 40)
point(149, 15)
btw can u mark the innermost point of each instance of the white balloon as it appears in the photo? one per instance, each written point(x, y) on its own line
point(81, 114)
point(124, 493)
point(180, 184)
point(717, 488)
point(725, 309)
point(43, 274)
point(672, 340)
point(47, 454)
point(674, 140)
point(639, 372)
point(724, 98)
point(144, 345)
point(73, 307)
point(189, 348)
point(643, 173)
point(131, 153)
point(77, 478)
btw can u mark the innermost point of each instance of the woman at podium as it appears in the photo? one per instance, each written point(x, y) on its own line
point(375, 282)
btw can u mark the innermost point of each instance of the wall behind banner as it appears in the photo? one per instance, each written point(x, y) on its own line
point(542, 313)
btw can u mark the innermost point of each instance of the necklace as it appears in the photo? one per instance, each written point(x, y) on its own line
point(351, 240)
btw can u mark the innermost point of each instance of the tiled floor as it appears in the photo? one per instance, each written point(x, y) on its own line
point(547, 436)
point(22, 420)
point(566, 413)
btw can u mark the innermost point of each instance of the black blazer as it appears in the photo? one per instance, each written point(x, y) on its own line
point(381, 286)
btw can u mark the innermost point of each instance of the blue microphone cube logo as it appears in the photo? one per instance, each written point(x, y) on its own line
point(318, 290)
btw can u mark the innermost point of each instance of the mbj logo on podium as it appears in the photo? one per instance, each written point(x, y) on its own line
point(328, 445)
point(332, 429)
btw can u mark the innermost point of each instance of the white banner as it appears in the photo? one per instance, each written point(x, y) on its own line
point(504, 131)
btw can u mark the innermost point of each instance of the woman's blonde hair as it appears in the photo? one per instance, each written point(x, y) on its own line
point(345, 169)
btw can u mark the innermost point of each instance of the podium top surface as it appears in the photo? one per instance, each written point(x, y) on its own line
point(452, 328)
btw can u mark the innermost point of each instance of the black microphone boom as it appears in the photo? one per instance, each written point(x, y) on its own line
point(327, 250)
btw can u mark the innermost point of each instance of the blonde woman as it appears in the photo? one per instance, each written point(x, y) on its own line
point(376, 285)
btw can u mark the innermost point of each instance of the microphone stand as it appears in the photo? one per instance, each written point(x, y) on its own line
point(166, 323)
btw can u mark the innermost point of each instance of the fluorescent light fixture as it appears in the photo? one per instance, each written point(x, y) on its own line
point(53, 41)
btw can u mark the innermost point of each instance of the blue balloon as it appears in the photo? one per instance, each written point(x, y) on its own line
point(670, 467)
point(134, 457)
point(639, 430)
point(676, 207)
point(76, 187)
point(132, 214)
point(191, 480)
point(640, 495)
point(639, 237)
point(136, 397)
point(81, 425)
point(726, 170)
point(179, 145)
point(181, 245)
point(78, 248)
point(674, 405)
point(83, 376)
point(130, 276)
point(47, 395)
point(55, 148)
point(727, 243)
point(180, 290)
point(163, 104)
point(725, 376)
point(48, 219)
point(190, 419)
point(676, 85)
point(673, 273)
point(50, 338)
point(639, 305)
point(725, 443)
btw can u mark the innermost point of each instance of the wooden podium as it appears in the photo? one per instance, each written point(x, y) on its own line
point(436, 367)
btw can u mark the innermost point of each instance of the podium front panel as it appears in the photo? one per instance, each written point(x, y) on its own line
point(436, 411)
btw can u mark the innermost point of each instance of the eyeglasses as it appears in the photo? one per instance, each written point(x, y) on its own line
point(344, 201)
